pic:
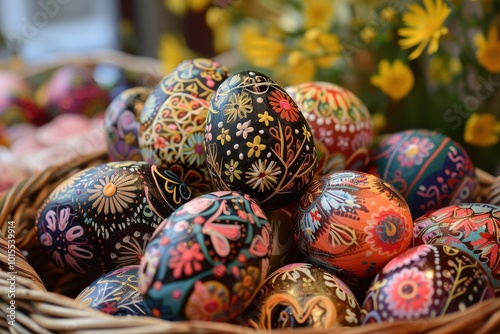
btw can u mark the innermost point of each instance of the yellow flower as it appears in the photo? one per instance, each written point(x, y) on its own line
point(488, 50)
point(172, 51)
point(443, 70)
point(260, 50)
point(255, 147)
point(424, 27)
point(323, 47)
point(181, 7)
point(265, 118)
point(388, 14)
point(318, 13)
point(395, 80)
point(298, 69)
point(481, 130)
point(368, 34)
point(218, 19)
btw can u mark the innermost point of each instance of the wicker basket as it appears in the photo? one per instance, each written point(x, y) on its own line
point(48, 307)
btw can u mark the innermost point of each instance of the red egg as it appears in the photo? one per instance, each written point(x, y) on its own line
point(340, 122)
point(352, 223)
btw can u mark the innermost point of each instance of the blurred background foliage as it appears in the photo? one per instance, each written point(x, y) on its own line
point(431, 64)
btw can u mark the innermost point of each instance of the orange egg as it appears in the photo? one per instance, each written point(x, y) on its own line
point(352, 223)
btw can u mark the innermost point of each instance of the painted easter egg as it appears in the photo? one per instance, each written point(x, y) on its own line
point(471, 227)
point(352, 223)
point(172, 124)
point(340, 123)
point(208, 260)
point(428, 168)
point(303, 295)
point(121, 122)
point(427, 281)
point(102, 218)
point(258, 142)
point(72, 89)
point(115, 293)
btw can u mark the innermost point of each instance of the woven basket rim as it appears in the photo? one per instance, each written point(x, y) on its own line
point(39, 310)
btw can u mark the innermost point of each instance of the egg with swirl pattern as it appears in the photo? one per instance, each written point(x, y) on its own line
point(258, 142)
point(101, 218)
point(172, 123)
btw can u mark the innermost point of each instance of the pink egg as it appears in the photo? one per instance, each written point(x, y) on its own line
point(340, 122)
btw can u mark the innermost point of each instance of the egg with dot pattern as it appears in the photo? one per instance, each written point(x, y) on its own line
point(352, 223)
point(303, 295)
point(471, 227)
point(427, 281)
point(207, 260)
point(340, 122)
point(172, 123)
point(115, 293)
point(258, 142)
point(102, 217)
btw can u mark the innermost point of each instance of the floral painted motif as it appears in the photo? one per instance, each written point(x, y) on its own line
point(185, 261)
point(238, 107)
point(413, 152)
point(208, 302)
point(352, 223)
point(387, 231)
point(66, 241)
point(282, 104)
point(253, 122)
point(427, 282)
point(410, 293)
point(113, 194)
point(105, 215)
point(263, 175)
point(216, 250)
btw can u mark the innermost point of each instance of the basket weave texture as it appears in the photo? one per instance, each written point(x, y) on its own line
point(44, 294)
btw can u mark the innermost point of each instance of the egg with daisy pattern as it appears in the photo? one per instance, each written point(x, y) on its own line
point(101, 218)
point(258, 142)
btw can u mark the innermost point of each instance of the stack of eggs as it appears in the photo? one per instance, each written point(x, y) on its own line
point(254, 204)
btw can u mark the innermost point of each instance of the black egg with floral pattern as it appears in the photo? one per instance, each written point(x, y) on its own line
point(258, 142)
point(101, 218)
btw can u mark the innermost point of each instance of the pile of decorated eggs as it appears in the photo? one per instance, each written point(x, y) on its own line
point(233, 199)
